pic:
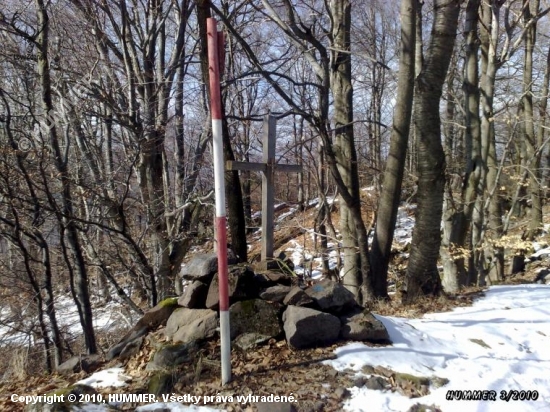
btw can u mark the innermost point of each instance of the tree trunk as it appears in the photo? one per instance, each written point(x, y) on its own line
point(453, 250)
point(390, 196)
point(530, 144)
point(490, 259)
point(422, 274)
point(355, 244)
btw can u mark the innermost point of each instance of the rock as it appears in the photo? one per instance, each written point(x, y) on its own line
point(331, 296)
point(342, 393)
point(275, 293)
point(186, 325)
point(171, 356)
point(297, 297)
point(361, 325)
point(267, 279)
point(247, 341)
point(255, 316)
point(201, 267)
point(161, 383)
point(376, 383)
point(86, 363)
point(275, 407)
point(131, 349)
point(64, 406)
point(194, 296)
point(359, 381)
point(305, 327)
point(150, 320)
point(543, 277)
point(241, 287)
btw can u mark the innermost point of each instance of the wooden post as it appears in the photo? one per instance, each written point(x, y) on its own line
point(219, 186)
point(268, 167)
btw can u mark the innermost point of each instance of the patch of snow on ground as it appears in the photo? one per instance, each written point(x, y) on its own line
point(106, 378)
point(513, 321)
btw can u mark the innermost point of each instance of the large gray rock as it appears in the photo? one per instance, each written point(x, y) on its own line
point(255, 316)
point(275, 293)
point(297, 297)
point(305, 327)
point(331, 296)
point(186, 325)
point(361, 325)
point(131, 349)
point(86, 363)
point(172, 356)
point(194, 296)
point(203, 267)
point(241, 287)
point(543, 277)
point(150, 320)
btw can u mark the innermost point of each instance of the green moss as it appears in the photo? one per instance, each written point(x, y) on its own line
point(248, 307)
point(161, 383)
point(60, 391)
point(168, 302)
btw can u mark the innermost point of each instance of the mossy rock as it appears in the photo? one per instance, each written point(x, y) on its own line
point(161, 383)
point(168, 302)
point(169, 357)
point(65, 406)
point(255, 316)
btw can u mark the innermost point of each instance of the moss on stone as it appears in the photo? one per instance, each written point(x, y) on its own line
point(168, 302)
point(161, 383)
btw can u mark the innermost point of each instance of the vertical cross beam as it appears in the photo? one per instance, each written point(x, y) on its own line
point(268, 184)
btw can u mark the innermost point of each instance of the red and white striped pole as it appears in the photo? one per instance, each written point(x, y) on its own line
point(219, 187)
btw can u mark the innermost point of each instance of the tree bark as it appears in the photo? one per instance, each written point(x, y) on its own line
point(532, 155)
point(390, 196)
point(422, 274)
point(356, 268)
point(453, 250)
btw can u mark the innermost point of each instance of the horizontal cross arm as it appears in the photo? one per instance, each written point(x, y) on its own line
point(261, 167)
point(257, 167)
point(287, 168)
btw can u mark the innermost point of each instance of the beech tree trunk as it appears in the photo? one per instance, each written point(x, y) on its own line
point(390, 196)
point(422, 274)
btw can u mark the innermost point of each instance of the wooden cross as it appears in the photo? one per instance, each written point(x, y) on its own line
point(268, 168)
